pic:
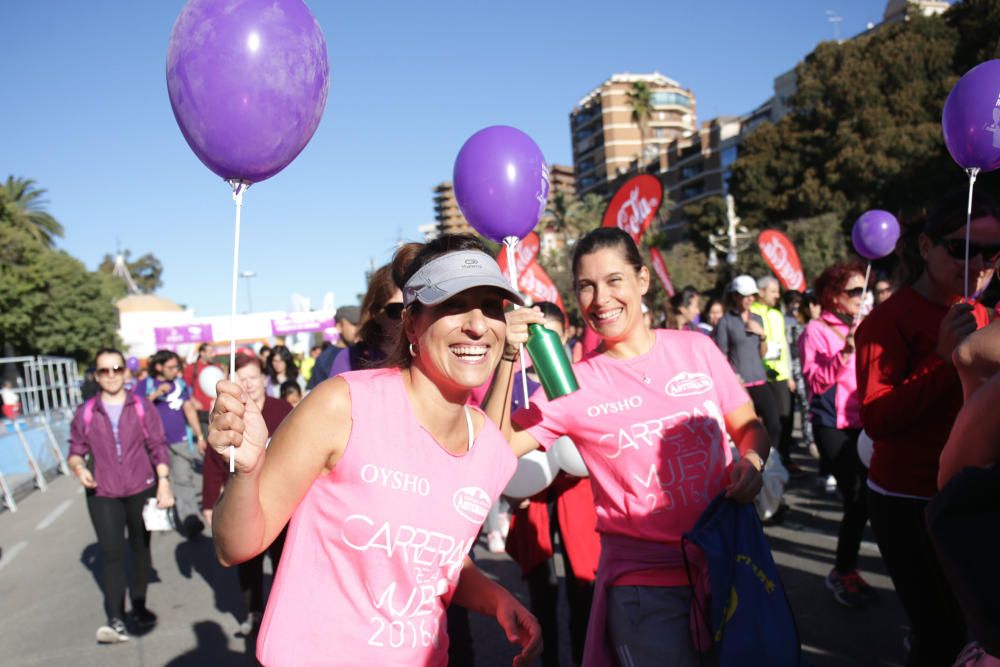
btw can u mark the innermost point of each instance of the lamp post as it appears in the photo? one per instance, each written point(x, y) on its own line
point(732, 240)
point(248, 275)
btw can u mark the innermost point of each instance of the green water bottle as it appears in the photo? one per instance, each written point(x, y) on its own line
point(551, 364)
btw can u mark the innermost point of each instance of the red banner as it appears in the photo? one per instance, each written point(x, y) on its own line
point(525, 252)
point(660, 267)
point(532, 280)
point(634, 205)
point(779, 253)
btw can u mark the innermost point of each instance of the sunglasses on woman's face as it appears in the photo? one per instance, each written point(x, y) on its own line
point(956, 249)
point(109, 371)
point(393, 311)
point(854, 292)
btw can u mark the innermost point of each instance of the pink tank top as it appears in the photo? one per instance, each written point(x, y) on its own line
point(375, 548)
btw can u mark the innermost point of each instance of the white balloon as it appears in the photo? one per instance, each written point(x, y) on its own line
point(865, 449)
point(208, 378)
point(568, 457)
point(535, 471)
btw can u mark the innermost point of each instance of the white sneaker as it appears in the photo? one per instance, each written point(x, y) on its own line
point(830, 485)
point(112, 633)
point(504, 524)
point(495, 542)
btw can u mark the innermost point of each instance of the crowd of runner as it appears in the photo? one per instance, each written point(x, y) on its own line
point(370, 521)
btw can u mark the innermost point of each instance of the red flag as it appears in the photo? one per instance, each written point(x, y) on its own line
point(660, 267)
point(525, 252)
point(532, 280)
point(779, 253)
point(634, 205)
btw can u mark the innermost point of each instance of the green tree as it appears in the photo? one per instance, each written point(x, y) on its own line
point(22, 206)
point(49, 302)
point(640, 98)
point(145, 271)
point(865, 124)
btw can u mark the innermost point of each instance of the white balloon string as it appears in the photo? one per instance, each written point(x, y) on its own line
point(864, 293)
point(239, 187)
point(973, 172)
point(510, 242)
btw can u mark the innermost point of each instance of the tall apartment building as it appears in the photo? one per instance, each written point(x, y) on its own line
point(449, 218)
point(606, 139)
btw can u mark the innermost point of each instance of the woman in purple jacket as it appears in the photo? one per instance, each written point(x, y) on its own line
point(128, 465)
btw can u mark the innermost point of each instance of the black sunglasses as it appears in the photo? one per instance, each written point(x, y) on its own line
point(956, 249)
point(113, 370)
point(854, 292)
point(393, 311)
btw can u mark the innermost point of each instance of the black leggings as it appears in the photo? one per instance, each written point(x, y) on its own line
point(251, 572)
point(783, 402)
point(840, 448)
point(767, 409)
point(111, 517)
point(937, 629)
point(543, 589)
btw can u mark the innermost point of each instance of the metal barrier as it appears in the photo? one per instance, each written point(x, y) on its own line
point(34, 438)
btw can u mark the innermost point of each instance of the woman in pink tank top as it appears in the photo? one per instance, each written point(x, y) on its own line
point(650, 421)
point(386, 477)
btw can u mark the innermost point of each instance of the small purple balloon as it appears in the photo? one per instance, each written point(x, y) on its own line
point(248, 82)
point(133, 364)
point(875, 234)
point(971, 118)
point(501, 182)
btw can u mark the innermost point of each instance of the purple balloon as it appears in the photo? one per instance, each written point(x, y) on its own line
point(248, 81)
point(971, 118)
point(875, 234)
point(501, 182)
point(133, 364)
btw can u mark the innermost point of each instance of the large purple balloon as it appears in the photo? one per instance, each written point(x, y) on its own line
point(501, 182)
point(248, 81)
point(875, 234)
point(971, 118)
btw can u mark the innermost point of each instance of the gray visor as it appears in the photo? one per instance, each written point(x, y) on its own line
point(443, 277)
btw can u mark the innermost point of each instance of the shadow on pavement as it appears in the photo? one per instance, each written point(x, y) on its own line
point(198, 556)
point(212, 649)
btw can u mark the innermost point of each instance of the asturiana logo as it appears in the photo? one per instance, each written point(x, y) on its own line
point(472, 503)
point(688, 384)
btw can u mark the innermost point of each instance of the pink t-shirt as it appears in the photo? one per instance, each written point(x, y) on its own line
point(651, 430)
point(375, 548)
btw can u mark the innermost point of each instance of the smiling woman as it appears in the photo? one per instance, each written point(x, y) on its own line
point(650, 421)
point(387, 476)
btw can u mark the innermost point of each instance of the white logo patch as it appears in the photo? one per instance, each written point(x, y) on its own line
point(472, 503)
point(688, 384)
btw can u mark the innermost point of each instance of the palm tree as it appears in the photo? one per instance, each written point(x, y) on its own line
point(22, 206)
point(588, 215)
point(559, 212)
point(641, 100)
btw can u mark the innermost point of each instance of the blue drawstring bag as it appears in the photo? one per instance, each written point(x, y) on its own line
point(750, 619)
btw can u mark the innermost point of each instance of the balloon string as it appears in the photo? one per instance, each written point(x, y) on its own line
point(510, 242)
point(239, 187)
point(973, 172)
point(864, 293)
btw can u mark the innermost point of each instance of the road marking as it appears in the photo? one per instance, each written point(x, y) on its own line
point(53, 515)
point(11, 553)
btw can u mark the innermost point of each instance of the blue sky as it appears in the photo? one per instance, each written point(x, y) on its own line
point(86, 114)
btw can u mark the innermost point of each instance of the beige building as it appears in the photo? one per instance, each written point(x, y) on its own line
point(606, 139)
point(449, 218)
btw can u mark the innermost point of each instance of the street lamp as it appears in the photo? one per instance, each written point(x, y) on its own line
point(248, 275)
point(732, 240)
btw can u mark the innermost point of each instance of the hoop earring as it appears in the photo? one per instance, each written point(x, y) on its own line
point(413, 352)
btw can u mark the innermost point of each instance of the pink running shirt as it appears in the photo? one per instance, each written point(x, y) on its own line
point(375, 548)
point(652, 434)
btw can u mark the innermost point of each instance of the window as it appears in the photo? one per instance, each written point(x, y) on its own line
point(729, 156)
point(660, 132)
point(691, 170)
point(661, 98)
point(690, 191)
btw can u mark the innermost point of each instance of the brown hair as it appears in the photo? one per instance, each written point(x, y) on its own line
point(832, 282)
point(607, 237)
point(244, 360)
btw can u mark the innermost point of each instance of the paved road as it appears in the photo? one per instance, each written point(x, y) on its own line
point(50, 601)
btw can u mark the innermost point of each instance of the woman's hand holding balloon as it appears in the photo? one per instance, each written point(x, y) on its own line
point(957, 324)
point(237, 422)
point(517, 327)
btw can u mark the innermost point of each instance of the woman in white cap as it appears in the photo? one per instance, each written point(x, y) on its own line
point(740, 335)
point(386, 475)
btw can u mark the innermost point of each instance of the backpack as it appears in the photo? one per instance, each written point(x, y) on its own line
point(750, 617)
point(88, 415)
